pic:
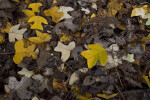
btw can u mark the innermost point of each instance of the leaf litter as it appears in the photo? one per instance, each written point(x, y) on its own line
point(74, 50)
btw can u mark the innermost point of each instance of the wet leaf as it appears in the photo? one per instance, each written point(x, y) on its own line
point(95, 53)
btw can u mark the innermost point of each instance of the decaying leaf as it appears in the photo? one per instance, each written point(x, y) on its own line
point(25, 72)
point(57, 86)
point(15, 33)
point(69, 24)
point(95, 53)
point(35, 6)
point(20, 87)
point(53, 12)
point(37, 22)
point(22, 51)
point(41, 37)
point(65, 10)
point(113, 7)
point(65, 50)
point(65, 38)
point(7, 28)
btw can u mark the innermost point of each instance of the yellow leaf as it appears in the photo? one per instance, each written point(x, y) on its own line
point(82, 97)
point(147, 80)
point(16, 0)
point(35, 6)
point(41, 37)
point(93, 15)
point(21, 51)
point(146, 38)
point(29, 13)
point(8, 26)
point(2, 39)
point(57, 86)
point(96, 53)
point(54, 14)
point(27, 1)
point(106, 96)
point(140, 11)
point(113, 7)
point(38, 20)
point(65, 38)
point(54, 1)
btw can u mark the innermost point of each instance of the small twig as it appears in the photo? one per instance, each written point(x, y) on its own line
point(69, 66)
point(120, 92)
point(6, 53)
point(119, 77)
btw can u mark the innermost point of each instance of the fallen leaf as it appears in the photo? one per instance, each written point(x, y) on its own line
point(21, 51)
point(53, 12)
point(65, 38)
point(29, 13)
point(73, 78)
point(38, 20)
point(35, 6)
point(7, 28)
point(146, 38)
point(129, 57)
point(113, 7)
point(65, 50)
point(15, 33)
point(106, 96)
point(147, 80)
point(25, 72)
point(41, 37)
point(65, 10)
point(69, 24)
point(57, 86)
point(2, 39)
point(86, 10)
point(20, 87)
point(140, 11)
point(96, 53)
